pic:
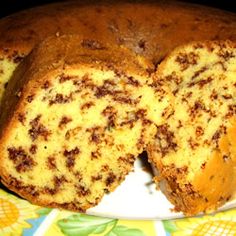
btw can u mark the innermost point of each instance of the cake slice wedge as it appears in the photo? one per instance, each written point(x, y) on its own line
point(76, 115)
point(195, 149)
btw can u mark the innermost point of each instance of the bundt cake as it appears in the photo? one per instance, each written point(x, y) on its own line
point(194, 150)
point(148, 28)
point(76, 115)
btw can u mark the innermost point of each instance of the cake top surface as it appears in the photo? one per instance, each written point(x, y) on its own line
point(148, 28)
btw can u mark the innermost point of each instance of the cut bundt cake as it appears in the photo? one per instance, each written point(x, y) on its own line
point(77, 112)
point(194, 150)
point(76, 115)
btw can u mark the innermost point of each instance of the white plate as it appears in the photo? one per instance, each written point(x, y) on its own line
point(137, 198)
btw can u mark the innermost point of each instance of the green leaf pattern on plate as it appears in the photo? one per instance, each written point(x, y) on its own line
point(44, 211)
point(169, 226)
point(84, 225)
point(121, 230)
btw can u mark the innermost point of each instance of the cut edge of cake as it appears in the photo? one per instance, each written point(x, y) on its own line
point(114, 86)
point(202, 127)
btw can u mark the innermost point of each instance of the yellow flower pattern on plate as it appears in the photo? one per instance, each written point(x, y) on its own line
point(13, 214)
point(217, 227)
point(9, 213)
point(219, 224)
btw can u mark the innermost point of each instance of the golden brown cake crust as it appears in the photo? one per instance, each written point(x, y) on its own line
point(57, 53)
point(148, 28)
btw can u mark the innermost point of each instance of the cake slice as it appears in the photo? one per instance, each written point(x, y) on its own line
point(76, 115)
point(194, 150)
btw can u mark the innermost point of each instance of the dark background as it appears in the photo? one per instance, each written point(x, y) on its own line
point(10, 6)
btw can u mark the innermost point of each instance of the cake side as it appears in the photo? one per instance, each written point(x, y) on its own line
point(195, 149)
point(80, 116)
point(169, 23)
